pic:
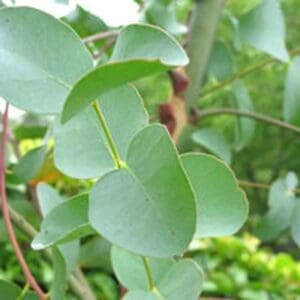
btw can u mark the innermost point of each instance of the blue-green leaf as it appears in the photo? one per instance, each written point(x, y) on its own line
point(41, 59)
point(222, 207)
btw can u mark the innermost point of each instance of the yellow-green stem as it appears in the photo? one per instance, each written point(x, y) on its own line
point(114, 152)
point(151, 285)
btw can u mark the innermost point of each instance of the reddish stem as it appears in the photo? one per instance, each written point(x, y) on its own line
point(5, 210)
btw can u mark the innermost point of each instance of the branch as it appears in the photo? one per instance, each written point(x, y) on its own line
point(202, 31)
point(248, 114)
point(259, 185)
point(244, 73)
point(100, 36)
point(5, 210)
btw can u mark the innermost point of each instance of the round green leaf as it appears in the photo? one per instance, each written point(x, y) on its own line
point(122, 108)
point(66, 222)
point(222, 205)
point(214, 142)
point(131, 60)
point(40, 59)
point(152, 185)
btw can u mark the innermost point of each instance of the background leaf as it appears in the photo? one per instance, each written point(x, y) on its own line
point(30, 164)
point(222, 207)
point(263, 28)
point(281, 203)
point(221, 64)
point(162, 14)
point(292, 94)
point(214, 142)
point(244, 127)
point(295, 223)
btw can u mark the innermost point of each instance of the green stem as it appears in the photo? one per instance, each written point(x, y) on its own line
point(243, 73)
point(24, 292)
point(114, 152)
point(151, 284)
point(247, 114)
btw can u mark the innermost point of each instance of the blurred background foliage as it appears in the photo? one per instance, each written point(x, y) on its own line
point(241, 267)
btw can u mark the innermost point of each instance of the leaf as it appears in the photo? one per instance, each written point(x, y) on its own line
point(291, 108)
point(59, 281)
point(40, 57)
point(163, 15)
point(96, 254)
point(64, 223)
point(48, 198)
point(152, 185)
point(138, 295)
point(131, 60)
point(222, 207)
point(130, 269)
point(84, 23)
point(30, 164)
point(244, 127)
point(122, 107)
point(66, 253)
point(221, 64)
point(281, 203)
point(263, 28)
point(295, 223)
point(29, 132)
point(214, 142)
point(9, 291)
point(173, 280)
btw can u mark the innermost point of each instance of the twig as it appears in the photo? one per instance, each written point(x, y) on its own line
point(87, 292)
point(260, 185)
point(105, 47)
point(248, 114)
point(100, 36)
point(5, 210)
point(244, 73)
